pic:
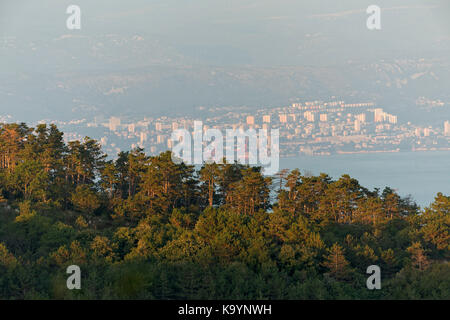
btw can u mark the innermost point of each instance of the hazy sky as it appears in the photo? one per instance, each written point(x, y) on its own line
point(185, 53)
point(261, 32)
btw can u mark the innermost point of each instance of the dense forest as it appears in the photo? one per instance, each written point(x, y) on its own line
point(144, 227)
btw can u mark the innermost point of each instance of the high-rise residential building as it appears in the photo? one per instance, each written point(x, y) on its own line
point(447, 128)
point(391, 118)
point(379, 115)
point(158, 126)
point(309, 116)
point(143, 138)
point(426, 132)
point(250, 120)
point(266, 119)
point(323, 117)
point(418, 132)
point(292, 117)
point(175, 126)
point(357, 125)
point(131, 128)
point(361, 117)
point(114, 123)
point(283, 118)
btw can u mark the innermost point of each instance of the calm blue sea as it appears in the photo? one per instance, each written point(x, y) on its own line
point(419, 174)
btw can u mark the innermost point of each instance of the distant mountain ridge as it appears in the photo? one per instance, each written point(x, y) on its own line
point(118, 75)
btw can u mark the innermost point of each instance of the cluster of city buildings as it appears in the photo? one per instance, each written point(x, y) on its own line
point(311, 128)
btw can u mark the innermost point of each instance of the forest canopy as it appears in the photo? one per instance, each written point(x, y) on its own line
point(144, 227)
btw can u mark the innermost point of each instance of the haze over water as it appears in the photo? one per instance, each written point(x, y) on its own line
point(419, 174)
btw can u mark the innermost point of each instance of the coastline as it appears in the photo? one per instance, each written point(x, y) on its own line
point(326, 154)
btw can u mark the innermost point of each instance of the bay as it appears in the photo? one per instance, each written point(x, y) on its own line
point(419, 174)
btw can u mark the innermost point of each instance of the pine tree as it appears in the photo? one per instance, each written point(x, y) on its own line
point(419, 258)
point(209, 174)
point(336, 263)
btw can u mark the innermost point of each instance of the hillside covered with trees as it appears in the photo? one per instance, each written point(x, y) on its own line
point(145, 227)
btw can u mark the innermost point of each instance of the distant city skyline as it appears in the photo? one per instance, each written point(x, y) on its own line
point(306, 128)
